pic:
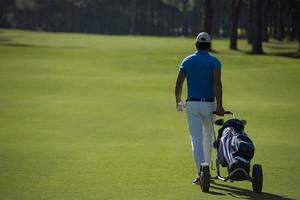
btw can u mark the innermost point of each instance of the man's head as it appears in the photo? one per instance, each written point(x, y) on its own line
point(203, 41)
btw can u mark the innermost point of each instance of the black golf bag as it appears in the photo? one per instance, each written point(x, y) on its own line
point(235, 149)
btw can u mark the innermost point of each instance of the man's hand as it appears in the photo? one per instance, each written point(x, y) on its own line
point(220, 111)
point(179, 106)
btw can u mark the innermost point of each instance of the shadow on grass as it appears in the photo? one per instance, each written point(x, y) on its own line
point(4, 39)
point(3, 43)
point(289, 54)
point(214, 51)
point(22, 45)
point(279, 47)
point(242, 193)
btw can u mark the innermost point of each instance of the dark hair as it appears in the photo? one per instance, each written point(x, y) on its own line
point(203, 45)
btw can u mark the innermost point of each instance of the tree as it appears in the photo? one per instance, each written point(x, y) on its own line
point(280, 20)
point(155, 17)
point(133, 16)
point(183, 6)
point(207, 16)
point(265, 16)
point(250, 21)
point(257, 27)
point(234, 19)
point(5, 5)
point(296, 14)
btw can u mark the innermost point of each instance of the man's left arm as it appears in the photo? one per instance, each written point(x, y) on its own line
point(218, 90)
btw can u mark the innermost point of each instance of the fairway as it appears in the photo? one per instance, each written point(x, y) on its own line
point(93, 117)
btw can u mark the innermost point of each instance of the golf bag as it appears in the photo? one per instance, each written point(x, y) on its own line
point(235, 149)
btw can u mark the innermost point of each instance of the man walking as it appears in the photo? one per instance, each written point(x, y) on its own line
point(203, 74)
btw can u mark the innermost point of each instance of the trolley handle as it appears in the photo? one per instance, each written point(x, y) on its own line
point(226, 112)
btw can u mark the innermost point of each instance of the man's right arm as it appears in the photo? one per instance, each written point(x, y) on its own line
point(178, 91)
point(178, 87)
point(218, 91)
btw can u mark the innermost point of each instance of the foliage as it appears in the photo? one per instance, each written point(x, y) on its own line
point(276, 18)
point(27, 4)
point(182, 5)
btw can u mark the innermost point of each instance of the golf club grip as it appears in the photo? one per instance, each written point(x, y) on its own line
point(226, 112)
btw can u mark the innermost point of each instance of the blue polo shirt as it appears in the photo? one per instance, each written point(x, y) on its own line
point(198, 69)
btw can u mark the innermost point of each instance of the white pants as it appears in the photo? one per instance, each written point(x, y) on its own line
point(200, 126)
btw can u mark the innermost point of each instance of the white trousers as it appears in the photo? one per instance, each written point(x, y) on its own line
point(200, 127)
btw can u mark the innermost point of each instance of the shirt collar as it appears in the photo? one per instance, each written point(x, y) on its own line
point(202, 52)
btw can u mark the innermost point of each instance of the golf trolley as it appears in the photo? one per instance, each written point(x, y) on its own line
point(205, 177)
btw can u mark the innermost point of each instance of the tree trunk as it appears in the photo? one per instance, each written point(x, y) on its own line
point(207, 17)
point(257, 27)
point(224, 20)
point(274, 19)
point(132, 30)
point(217, 19)
point(243, 20)
point(298, 25)
point(280, 20)
point(250, 22)
point(265, 5)
point(195, 21)
point(234, 20)
point(185, 27)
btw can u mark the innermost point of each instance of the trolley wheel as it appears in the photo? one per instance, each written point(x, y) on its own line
point(204, 177)
point(257, 178)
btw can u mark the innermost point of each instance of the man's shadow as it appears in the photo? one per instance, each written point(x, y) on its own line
point(242, 193)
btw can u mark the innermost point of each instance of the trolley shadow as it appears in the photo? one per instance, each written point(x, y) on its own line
point(241, 193)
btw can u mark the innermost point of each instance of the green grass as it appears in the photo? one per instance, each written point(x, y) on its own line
point(93, 117)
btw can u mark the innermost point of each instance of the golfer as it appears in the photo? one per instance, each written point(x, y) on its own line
point(204, 95)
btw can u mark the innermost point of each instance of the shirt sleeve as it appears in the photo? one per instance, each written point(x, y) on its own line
point(217, 64)
point(182, 68)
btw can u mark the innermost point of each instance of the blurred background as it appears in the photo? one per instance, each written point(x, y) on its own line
point(255, 20)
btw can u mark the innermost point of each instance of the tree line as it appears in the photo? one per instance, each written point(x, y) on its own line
point(255, 20)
